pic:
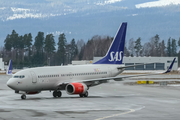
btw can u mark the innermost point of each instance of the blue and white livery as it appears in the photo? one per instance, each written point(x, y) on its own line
point(9, 70)
point(116, 50)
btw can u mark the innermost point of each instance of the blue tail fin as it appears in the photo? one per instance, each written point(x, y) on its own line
point(9, 70)
point(170, 68)
point(116, 50)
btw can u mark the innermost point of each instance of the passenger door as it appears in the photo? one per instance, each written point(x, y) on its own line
point(34, 77)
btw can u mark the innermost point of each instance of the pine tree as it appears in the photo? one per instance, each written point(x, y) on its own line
point(74, 50)
point(61, 48)
point(38, 58)
point(138, 46)
point(28, 43)
point(156, 43)
point(179, 42)
point(49, 44)
point(39, 42)
point(174, 48)
point(163, 47)
point(169, 46)
point(8, 43)
point(81, 53)
point(15, 42)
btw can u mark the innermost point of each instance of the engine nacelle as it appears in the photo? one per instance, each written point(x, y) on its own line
point(76, 88)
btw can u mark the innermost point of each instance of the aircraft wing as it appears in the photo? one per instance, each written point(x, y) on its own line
point(94, 82)
point(134, 65)
point(120, 77)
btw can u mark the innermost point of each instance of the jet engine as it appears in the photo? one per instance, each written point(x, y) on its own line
point(76, 88)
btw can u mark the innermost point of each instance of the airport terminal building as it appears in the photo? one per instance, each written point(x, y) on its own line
point(158, 63)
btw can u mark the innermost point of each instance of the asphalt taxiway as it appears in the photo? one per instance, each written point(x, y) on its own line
point(110, 101)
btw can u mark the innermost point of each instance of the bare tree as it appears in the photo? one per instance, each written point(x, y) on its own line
point(146, 49)
point(80, 44)
point(131, 47)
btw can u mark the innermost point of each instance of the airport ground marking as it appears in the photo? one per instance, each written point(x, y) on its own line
point(115, 115)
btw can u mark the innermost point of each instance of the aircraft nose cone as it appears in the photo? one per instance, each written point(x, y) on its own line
point(10, 84)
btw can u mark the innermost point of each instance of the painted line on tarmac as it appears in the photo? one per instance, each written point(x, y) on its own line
point(115, 115)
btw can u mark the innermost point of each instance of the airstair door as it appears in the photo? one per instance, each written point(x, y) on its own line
point(34, 77)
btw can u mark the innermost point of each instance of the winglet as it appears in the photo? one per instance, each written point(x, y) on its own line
point(9, 70)
point(170, 68)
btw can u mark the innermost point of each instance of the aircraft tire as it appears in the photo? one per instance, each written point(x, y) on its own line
point(23, 97)
point(59, 93)
point(86, 94)
point(81, 95)
point(55, 94)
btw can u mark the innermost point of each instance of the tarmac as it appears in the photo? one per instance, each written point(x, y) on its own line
point(109, 101)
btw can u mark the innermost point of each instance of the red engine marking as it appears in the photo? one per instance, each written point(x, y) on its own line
point(78, 88)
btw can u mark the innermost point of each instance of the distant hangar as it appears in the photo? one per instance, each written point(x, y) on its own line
point(158, 63)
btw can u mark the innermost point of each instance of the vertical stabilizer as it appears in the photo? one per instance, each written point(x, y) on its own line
point(116, 50)
point(170, 68)
point(9, 70)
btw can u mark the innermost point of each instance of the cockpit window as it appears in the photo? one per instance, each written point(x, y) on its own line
point(19, 76)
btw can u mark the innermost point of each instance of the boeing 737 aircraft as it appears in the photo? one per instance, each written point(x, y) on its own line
point(74, 79)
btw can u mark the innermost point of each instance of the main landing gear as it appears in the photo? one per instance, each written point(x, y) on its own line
point(84, 95)
point(57, 93)
point(23, 96)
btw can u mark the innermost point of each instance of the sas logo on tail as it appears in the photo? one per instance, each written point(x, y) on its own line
point(116, 56)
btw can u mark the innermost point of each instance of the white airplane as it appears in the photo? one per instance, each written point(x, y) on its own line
point(74, 79)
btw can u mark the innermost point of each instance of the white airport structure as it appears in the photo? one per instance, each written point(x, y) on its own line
point(158, 63)
point(1, 64)
point(82, 62)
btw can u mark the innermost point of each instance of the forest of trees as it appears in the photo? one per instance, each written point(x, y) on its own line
point(25, 52)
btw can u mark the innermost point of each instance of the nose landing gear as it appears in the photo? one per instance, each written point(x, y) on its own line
point(23, 96)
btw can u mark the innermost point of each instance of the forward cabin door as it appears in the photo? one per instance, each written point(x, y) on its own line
point(34, 77)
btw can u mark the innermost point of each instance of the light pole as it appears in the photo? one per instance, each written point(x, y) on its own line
point(49, 61)
point(67, 53)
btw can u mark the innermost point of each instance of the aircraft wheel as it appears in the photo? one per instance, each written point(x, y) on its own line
point(81, 95)
point(23, 97)
point(59, 93)
point(86, 94)
point(55, 94)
